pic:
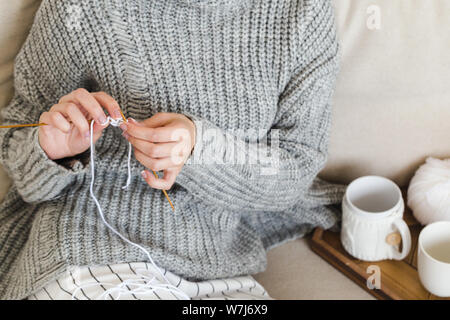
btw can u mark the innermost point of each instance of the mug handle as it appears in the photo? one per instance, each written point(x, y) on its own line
point(403, 228)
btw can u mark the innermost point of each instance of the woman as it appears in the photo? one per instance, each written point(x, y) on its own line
point(175, 66)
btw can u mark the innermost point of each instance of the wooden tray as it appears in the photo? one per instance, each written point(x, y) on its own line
point(399, 279)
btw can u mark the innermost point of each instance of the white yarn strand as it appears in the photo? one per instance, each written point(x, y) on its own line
point(144, 284)
point(129, 167)
point(116, 123)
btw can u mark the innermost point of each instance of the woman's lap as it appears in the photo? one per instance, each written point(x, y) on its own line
point(137, 280)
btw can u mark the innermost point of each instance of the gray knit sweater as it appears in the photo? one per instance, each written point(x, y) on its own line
point(233, 66)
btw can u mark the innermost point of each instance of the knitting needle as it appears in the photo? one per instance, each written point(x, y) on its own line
point(28, 125)
point(23, 125)
point(165, 193)
point(156, 175)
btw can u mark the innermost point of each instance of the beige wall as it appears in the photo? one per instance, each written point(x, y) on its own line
point(392, 103)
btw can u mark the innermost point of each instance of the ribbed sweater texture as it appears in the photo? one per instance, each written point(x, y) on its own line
point(232, 66)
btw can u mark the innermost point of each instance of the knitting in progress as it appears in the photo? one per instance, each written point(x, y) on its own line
point(143, 285)
point(232, 67)
point(113, 122)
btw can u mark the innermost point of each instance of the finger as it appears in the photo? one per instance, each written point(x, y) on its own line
point(161, 134)
point(84, 98)
point(156, 164)
point(109, 103)
point(64, 107)
point(164, 183)
point(57, 120)
point(78, 119)
point(154, 150)
point(160, 119)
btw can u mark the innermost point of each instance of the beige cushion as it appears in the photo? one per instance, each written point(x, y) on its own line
point(294, 271)
point(392, 104)
point(16, 18)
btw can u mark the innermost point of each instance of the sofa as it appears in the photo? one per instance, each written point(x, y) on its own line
point(389, 113)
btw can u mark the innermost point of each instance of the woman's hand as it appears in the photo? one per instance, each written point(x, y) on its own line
point(161, 143)
point(67, 132)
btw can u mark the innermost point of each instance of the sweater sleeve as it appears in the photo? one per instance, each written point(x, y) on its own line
point(301, 130)
point(47, 67)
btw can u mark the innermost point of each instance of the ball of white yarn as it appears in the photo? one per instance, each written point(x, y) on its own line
point(429, 191)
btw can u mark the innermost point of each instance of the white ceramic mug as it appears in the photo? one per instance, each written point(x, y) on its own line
point(433, 260)
point(372, 220)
